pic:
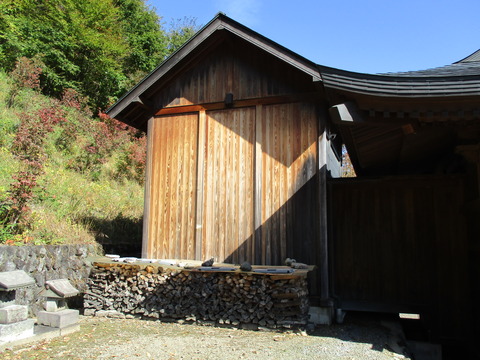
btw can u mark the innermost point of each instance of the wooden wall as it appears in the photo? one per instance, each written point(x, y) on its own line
point(234, 68)
point(235, 184)
point(401, 245)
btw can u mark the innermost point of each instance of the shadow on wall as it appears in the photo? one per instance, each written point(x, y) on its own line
point(291, 232)
point(121, 235)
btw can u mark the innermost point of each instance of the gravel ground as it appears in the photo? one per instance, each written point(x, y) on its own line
point(358, 338)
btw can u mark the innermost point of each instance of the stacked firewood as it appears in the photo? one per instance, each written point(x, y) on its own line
point(221, 298)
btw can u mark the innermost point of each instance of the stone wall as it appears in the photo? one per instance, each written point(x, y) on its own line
point(47, 262)
point(233, 298)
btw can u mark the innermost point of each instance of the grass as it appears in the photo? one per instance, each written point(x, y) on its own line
point(69, 204)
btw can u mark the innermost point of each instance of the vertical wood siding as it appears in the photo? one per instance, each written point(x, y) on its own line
point(401, 244)
point(228, 185)
point(243, 73)
point(256, 183)
point(171, 192)
point(289, 151)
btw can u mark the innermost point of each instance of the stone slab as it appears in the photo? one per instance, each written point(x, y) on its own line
point(58, 319)
point(40, 333)
point(11, 280)
point(15, 331)
point(13, 313)
point(62, 287)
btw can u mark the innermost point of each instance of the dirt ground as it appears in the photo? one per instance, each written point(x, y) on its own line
point(358, 338)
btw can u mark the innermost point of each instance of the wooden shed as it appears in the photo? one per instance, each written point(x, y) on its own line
point(237, 151)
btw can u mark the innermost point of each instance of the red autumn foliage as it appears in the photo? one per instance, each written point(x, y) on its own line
point(28, 147)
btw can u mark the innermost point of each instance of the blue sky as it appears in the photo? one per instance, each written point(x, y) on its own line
point(371, 36)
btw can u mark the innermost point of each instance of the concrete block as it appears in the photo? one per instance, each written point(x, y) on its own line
point(321, 315)
point(16, 331)
point(58, 319)
point(13, 313)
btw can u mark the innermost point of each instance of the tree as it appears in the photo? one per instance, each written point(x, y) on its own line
point(180, 31)
point(147, 41)
point(99, 48)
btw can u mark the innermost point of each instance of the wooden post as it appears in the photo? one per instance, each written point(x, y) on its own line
point(146, 245)
point(202, 128)
point(322, 250)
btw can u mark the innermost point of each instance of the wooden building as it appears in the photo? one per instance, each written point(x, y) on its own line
point(404, 235)
point(237, 151)
point(244, 144)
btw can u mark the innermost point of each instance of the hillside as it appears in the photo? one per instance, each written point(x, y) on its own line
point(66, 176)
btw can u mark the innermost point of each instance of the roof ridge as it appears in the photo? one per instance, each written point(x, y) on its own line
point(475, 57)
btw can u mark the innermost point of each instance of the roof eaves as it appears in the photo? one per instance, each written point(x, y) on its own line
point(405, 86)
point(219, 22)
point(164, 67)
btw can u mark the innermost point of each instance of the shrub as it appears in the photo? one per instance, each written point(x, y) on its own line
point(28, 148)
point(26, 74)
point(131, 162)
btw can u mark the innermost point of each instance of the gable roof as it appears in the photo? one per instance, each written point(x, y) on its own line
point(136, 101)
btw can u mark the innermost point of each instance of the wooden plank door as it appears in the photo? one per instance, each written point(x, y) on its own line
point(288, 139)
point(170, 197)
point(228, 185)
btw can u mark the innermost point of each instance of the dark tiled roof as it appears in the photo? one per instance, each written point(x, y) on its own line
point(470, 66)
point(459, 79)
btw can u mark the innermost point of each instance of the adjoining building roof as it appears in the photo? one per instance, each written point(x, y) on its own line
point(458, 79)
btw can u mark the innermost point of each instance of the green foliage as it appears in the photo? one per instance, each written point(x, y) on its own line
point(43, 199)
point(99, 48)
point(180, 31)
point(144, 35)
point(64, 174)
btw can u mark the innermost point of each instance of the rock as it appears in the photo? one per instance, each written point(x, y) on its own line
point(110, 314)
point(246, 266)
point(89, 312)
point(297, 265)
point(208, 262)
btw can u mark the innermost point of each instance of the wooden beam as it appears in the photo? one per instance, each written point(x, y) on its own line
point(238, 104)
point(202, 128)
point(144, 103)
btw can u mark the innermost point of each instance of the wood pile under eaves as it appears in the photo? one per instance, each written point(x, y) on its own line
point(240, 299)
